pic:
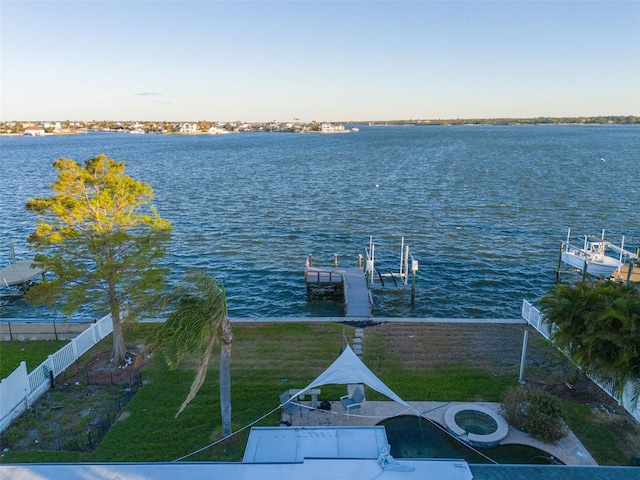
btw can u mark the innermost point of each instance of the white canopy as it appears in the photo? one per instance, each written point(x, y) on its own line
point(348, 368)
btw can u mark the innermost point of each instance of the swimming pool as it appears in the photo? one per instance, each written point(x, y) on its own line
point(411, 436)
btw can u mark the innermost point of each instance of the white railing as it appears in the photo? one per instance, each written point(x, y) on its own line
point(20, 390)
point(534, 317)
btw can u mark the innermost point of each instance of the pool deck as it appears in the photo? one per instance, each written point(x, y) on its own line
point(569, 449)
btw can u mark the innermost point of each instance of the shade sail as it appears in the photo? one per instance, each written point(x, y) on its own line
point(348, 368)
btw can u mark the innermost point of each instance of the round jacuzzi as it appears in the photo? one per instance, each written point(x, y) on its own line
point(476, 425)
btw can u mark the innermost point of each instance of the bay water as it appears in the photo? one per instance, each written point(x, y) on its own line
point(483, 208)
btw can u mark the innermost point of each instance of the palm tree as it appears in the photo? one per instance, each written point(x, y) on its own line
point(598, 325)
point(199, 313)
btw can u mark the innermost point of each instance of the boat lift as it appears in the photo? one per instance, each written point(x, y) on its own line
point(402, 274)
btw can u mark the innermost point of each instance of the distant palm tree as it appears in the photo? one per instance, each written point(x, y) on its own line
point(199, 312)
point(598, 325)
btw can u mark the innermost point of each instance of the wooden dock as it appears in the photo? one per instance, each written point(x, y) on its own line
point(357, 297)
point(19, 273)
point(622, 274)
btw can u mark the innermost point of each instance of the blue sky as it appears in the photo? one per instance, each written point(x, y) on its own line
point(324, 60)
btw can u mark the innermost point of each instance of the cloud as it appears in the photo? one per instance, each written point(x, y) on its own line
point(148, 94)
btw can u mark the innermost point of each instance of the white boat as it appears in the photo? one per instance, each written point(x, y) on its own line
point(591, 255)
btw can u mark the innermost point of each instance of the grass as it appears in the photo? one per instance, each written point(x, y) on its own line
point(34, 353)
point(266, 360)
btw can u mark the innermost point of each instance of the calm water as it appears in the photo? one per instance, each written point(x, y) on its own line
point(483, 208)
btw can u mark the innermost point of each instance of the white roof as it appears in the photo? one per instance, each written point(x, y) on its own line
point(308, 470)
point(294, 444)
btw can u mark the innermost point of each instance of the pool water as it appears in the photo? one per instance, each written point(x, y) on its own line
point(414, 437)
point(472, 421)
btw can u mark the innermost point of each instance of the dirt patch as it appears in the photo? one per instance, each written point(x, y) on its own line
point(77, 412)
point(493, 347)
point(100, 370)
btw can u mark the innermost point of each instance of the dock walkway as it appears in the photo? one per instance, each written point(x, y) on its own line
point(18, 273)
point(357, 297)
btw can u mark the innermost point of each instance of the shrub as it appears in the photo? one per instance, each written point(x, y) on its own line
point(534, 412)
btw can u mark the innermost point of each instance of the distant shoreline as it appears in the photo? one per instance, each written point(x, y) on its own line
point(160, 128)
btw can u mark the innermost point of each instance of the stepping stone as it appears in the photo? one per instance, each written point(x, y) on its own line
point(356, 340)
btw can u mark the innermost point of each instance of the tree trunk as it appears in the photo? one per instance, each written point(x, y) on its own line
point(119, 352)
point(225, 377)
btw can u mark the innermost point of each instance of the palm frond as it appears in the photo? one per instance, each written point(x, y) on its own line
point(199, 378)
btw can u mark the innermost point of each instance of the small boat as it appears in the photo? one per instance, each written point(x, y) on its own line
point(591, 255)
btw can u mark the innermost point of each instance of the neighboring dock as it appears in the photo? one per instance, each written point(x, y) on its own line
point(622, 274)
point(19, 273)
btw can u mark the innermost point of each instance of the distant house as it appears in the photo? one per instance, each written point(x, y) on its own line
point(52, 127)
point(33, 131)
point(188, 128)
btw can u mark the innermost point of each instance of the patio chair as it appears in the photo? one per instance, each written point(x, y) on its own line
point(291, 407)
point(353, 401)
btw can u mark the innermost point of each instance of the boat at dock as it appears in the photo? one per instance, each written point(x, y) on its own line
point(592, 257)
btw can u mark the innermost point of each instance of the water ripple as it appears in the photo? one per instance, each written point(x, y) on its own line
point(483, 209)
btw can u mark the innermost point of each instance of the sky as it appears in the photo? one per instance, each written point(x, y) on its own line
point(260, 61)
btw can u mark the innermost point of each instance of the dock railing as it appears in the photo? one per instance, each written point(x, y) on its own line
point(20, 389)
point(536, 319)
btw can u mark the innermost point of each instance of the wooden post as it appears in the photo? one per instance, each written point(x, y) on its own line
point(584, 270)
point(631, 264)
point(335, 260)
point(413, 288)
point(559, 262)
point(414, 269)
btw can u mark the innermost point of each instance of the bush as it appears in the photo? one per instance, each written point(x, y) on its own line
point(534, 412)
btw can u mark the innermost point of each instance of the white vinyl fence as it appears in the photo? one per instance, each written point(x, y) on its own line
point(534, 317)
point(20, 390)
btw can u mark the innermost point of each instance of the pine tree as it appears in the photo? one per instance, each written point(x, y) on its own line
point(101, 240)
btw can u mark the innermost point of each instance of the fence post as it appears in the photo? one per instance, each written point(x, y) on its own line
point(74, 347)
point(50, 364)
point(523, 358)
point(94, 333)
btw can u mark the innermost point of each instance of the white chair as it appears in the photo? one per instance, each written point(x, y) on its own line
point(353, 401)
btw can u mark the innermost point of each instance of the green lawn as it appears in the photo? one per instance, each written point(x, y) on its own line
point(267, 359)
point(34, 353)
